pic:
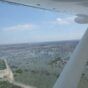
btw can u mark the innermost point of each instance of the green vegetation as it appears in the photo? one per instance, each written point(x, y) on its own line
point(6, 84)
point(83, 82)
point(2, 65)
point(19, 71)
point(55, 60)
point(39, 80)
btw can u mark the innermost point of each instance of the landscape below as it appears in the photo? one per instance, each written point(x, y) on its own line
point(40, 64)
point(6, 84)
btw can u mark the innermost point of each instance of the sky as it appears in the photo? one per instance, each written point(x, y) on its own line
point(20, 24)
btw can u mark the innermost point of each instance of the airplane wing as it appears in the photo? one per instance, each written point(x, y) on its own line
point(76, 7)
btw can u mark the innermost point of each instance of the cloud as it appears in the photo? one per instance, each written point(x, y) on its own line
point(61, 21)
point(20, 27)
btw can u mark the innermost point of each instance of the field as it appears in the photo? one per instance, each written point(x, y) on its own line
point(6, 84)
point(2, 65)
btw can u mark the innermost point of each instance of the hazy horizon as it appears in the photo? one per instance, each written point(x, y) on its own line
point(39, 42)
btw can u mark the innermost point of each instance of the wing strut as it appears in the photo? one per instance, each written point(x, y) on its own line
point(71, 74)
